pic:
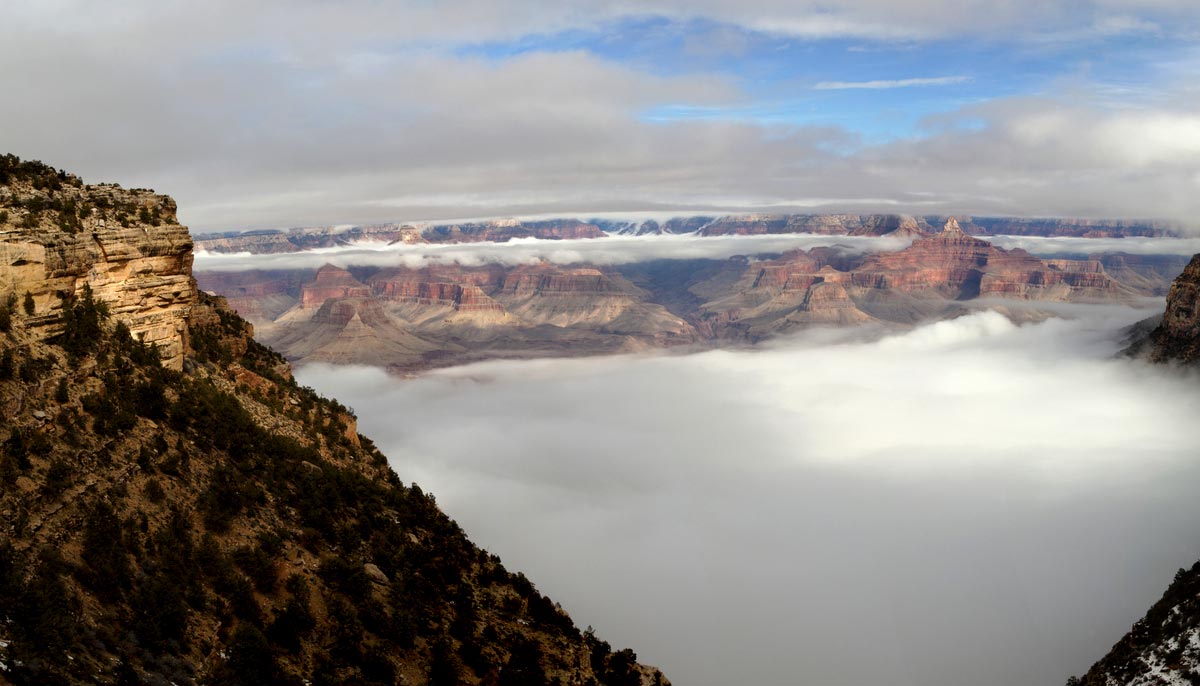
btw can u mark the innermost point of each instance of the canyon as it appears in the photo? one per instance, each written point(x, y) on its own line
point(415, 318)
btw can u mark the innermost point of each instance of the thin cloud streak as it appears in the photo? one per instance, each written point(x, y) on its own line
point(970, 502)
point(890, 83)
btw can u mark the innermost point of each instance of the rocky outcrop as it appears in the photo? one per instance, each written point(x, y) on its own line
point(464, 290)
point(58, 235)
point(924, 280)
point(1177, 336)
point(961, 266)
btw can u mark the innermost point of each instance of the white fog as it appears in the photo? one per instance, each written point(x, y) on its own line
point(970, 502)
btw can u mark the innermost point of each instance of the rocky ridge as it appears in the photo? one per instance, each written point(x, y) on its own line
point(1177, 336)
point(215, 523)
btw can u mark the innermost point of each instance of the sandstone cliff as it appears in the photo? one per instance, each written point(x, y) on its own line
point(58, 235)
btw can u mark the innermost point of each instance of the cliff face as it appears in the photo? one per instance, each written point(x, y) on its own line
point(58, 235)
point(215, 523)
point(1177, 337)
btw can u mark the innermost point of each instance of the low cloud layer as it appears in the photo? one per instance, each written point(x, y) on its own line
point(617, 250)
point(969, 503)
point(612, 250)
point(1087, 246)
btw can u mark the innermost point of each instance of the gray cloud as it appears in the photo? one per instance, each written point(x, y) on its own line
point(970, 502)
point(311, 112)
point(612, 250)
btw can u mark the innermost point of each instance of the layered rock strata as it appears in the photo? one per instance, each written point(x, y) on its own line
point(125, 245)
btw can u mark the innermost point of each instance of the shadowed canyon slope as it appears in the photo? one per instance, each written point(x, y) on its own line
point(414, 318)
point(176, 509)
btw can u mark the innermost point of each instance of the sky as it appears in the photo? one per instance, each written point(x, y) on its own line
point(307, 112)
point(969, 502)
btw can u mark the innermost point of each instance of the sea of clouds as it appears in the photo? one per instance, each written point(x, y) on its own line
point(970, 502)
point(617, 250)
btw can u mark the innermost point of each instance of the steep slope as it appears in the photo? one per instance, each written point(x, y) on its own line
point(215, 523)
point(1162, 648)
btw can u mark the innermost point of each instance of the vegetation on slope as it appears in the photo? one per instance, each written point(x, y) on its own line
point(223, 525)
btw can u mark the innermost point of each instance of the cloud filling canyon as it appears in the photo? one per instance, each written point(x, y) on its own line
point(969, 502)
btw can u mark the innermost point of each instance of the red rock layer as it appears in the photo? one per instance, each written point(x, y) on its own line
point(332, 282)
point(462, 298)
point(545, 279)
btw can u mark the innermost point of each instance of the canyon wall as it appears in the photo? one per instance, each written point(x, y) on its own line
point(58, 235)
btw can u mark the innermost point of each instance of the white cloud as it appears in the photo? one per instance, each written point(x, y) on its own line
point(608, 251)
point(969, 502)
point(891, 83)
point(1047, 247)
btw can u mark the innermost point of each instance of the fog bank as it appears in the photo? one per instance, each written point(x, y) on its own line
point(610, 250)
point(969, 503)
point(1065, 245)
point(617, 250)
